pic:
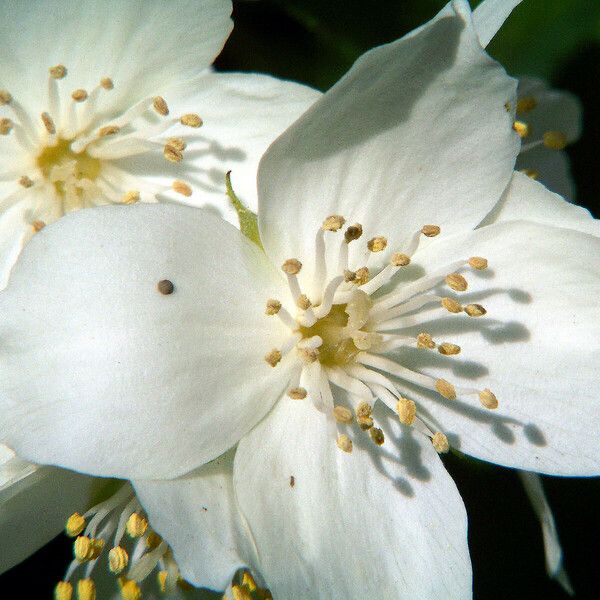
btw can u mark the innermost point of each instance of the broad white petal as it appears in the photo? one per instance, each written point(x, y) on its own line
point(199, 517)
point(550, 167)
point(537, 348)
point(15, 230)
point(378, 523)
point(143, 45)
point(554, 557)
point(103, 373)
point(35, 503)
point(416, 133)
point(243, 113)
point(527, 200)
point(490, 15)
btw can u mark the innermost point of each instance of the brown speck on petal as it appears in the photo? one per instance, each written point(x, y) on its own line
point(165, 287)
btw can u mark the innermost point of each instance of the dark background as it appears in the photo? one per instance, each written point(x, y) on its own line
point(315, 42)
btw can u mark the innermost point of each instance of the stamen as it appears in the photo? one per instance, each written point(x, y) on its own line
point(430, 230)
point(130, 590)
point(181, 187)
point(377, 244)
point(130, 197)
point(364, 409)
point(308, 355)
point(488, 399)
point(48, 123)
point(349, 276)
point(521, 128)
point(333, 223)
point(38, 226)
point(399, 259)
point(118, 559)
point(342, 414)
point(191, 120)
point(136, 525)
point(273, 307)
point(328, 296)
point(86, 589)
point(526, 104)
point(448, 349)
point(58, 72)
point(446, 389)
point(365, 423)
point(344, 443)
point(440, 443)
point(6, 126)
point(452, 305)
point(75, 525)
point(172, 154)
point(79, 95)
point(303, 302)
point(25, 182)
point(457, 282)
point(273, 358)
point(107, 83)
point(377, 436)
point(108, 130)
point(424, 340)
point(555, 140)
point(86, 548)
point(531, 173)
point(5, 98)
point(177, 143)
point(63, 591)
point(475, 310)
point(291, 266)
point(407, 411)
point(479, 263)
point(160, 106)
point(353, 232)
point(298, 393)
point(361, 276)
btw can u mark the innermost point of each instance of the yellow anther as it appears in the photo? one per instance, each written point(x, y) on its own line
point(75, 525)
point(25, 181)
point(446, 389)
point(377, 244)
point(440, 443)
point(38, 226)
point(555, 140)
point(430, 230)
point(86, 589)
point(118, 559)
point(526, 104)
point(452, 305)
point(424, 340)
point(344, 443)
point(273, 307)
point(479, 263)
point(191, 120)
point(86, 548)
point(365, 423)
point(130, 590)
point(153, 540)
point(183, 188)
point(130, 197)
point(364, 409)
point(58, 72)
point(177, 143)
point(448, 349)
point(6, 126)
point(136, 525)
point(488, 399)
point(161, 577)
point(240, 593)
point(303, 302)
point(362, 276)
point(308, 355)
point(342, 414)
point(333, 223)
point(353, 232)
point(172, 154)
point(48, 123)
point(349, 276)
point(521, 128)
point(475, 310)
point(107, 83)
point(297, 393)
point(291, 266)
point(273, 358)
point(63, 591)
point(249, 581)
point(160, 106)
point(399, 259)
point(184, 585)
point(5, 98)
point(79, 95)
point(457, 282)
point(407, 411)
point(531, 173)
point(108, 130)
point(377, 436)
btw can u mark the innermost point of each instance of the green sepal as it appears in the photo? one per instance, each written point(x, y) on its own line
point(248, 220)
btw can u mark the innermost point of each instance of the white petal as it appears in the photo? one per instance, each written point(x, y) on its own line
point(526, 199)
point(554, 556)
point(15, 230)
point(243, 113)
point(199, 517)
point(143, 45)
point(378, 523)
point(537, 348)
point(118, 379)
point(35, 503)
point(490, 15)
point(415, 133)
point(552, 168)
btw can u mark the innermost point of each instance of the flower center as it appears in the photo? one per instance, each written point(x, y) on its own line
point(348, 334)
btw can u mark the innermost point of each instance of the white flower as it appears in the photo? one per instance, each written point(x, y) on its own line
point(126, 64)
point(107, 372)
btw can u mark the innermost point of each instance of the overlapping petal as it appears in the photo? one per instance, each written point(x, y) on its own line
point(103, 373)
point(489, 16)
point(417, 132)
point(381, 522)
point(537, 348)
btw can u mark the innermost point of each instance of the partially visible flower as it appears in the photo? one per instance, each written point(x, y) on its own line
point(547, 120)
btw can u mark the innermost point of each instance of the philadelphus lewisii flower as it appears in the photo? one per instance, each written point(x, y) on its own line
point(280, 400)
